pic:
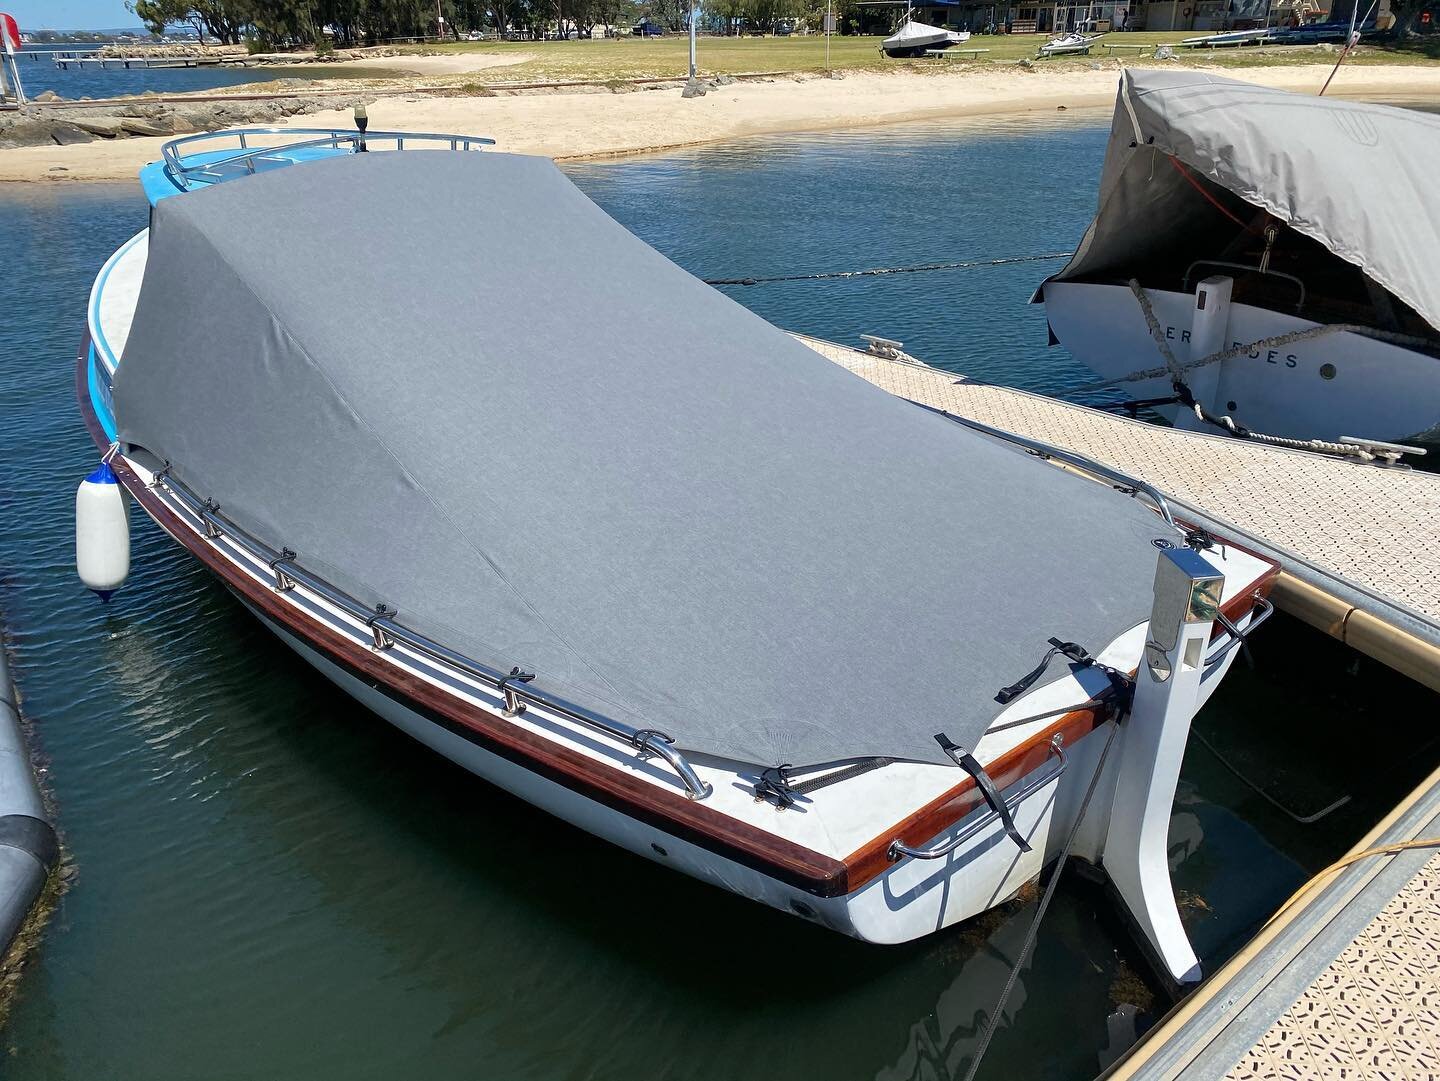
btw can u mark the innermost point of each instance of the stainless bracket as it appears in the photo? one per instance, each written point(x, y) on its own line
point(380, 634)
point(513, 706)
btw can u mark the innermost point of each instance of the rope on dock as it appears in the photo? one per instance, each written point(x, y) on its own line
point(876, 272)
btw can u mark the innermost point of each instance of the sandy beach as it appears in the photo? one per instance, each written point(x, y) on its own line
point(445, 64)
point(602, 123)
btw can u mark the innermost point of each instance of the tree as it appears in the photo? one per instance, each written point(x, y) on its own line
point(671, 14)
point(225, 20)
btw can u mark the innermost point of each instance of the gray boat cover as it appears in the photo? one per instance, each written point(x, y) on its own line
point(1358, 178)
point(548, 446)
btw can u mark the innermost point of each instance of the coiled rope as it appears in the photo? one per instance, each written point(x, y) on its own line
point(877, 272)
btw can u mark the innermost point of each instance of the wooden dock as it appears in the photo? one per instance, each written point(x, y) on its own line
point(1359, 544)
point(91, 60)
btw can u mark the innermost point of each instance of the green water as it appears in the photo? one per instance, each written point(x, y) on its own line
point(271, 883)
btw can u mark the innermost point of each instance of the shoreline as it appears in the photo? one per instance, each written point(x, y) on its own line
point(602, 124)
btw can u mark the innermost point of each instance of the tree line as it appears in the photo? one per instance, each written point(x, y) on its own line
point(345, 23)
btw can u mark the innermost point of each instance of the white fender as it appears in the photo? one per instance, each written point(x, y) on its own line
point(102, 532)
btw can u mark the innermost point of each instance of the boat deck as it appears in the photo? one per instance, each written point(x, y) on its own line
point(1344, 983)
point(1360, 545)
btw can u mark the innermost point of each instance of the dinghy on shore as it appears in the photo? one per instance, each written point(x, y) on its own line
point(917, 38)
point(690, 587)
point(1262, 261)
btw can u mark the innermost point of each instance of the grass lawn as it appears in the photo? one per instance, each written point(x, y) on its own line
point(625, 58)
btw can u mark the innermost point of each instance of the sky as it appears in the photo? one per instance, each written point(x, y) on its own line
point(69, 14)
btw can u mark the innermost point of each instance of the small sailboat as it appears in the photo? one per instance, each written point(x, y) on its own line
point(648, 582)
point(915, 38)
point(1229, 38)
point(1257, 265)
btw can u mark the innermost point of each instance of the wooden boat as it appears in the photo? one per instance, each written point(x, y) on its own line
point(692, 588)
point(1248, 262)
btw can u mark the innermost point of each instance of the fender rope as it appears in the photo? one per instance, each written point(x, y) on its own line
point(1340, 865)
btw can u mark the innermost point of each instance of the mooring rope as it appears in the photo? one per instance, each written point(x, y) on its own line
point(1029, 944)
point(1355, 857)
point(876, 272)
point(1177, 372)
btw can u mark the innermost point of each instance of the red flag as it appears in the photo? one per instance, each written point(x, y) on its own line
point(9, 33)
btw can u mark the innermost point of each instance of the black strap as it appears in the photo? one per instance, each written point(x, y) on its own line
point(1070, 650)
point(966, 761)
point(776, 782)
point(1202, 540)
point(1243, 637)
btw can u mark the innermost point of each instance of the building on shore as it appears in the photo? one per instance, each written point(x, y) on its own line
point(1063, 16)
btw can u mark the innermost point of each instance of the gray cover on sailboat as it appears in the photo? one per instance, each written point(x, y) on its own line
point(1358, 178)
point(548, 446)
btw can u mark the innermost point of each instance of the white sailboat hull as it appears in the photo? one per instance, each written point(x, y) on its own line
point(913, 39)
point(1337, 385)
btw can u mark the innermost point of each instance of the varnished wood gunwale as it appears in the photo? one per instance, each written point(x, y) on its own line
point(787, 862)
point(872, 859)
point(669, 811)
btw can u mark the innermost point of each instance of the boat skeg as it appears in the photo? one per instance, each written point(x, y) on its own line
point(102, 532)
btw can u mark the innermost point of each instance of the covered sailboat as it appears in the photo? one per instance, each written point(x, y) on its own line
point(915, 38)
point(643, 579)
point(1262, 256)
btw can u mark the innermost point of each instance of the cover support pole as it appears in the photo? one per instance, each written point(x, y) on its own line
point(1167, 687)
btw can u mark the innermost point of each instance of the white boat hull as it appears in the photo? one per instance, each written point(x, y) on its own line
point(914, 898)
point(1341, 384)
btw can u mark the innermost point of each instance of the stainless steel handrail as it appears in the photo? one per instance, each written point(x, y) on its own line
point(1185, 281)
point(1265, 610)
point(1087, 465)
point(179, 172)
point(515, 688)
point(899, 849)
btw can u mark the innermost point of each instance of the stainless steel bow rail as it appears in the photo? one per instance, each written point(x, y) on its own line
point(249, 157)
point(899, 849)
point(516, 688)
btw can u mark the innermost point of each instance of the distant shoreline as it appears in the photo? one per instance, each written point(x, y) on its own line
point(602, 123)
